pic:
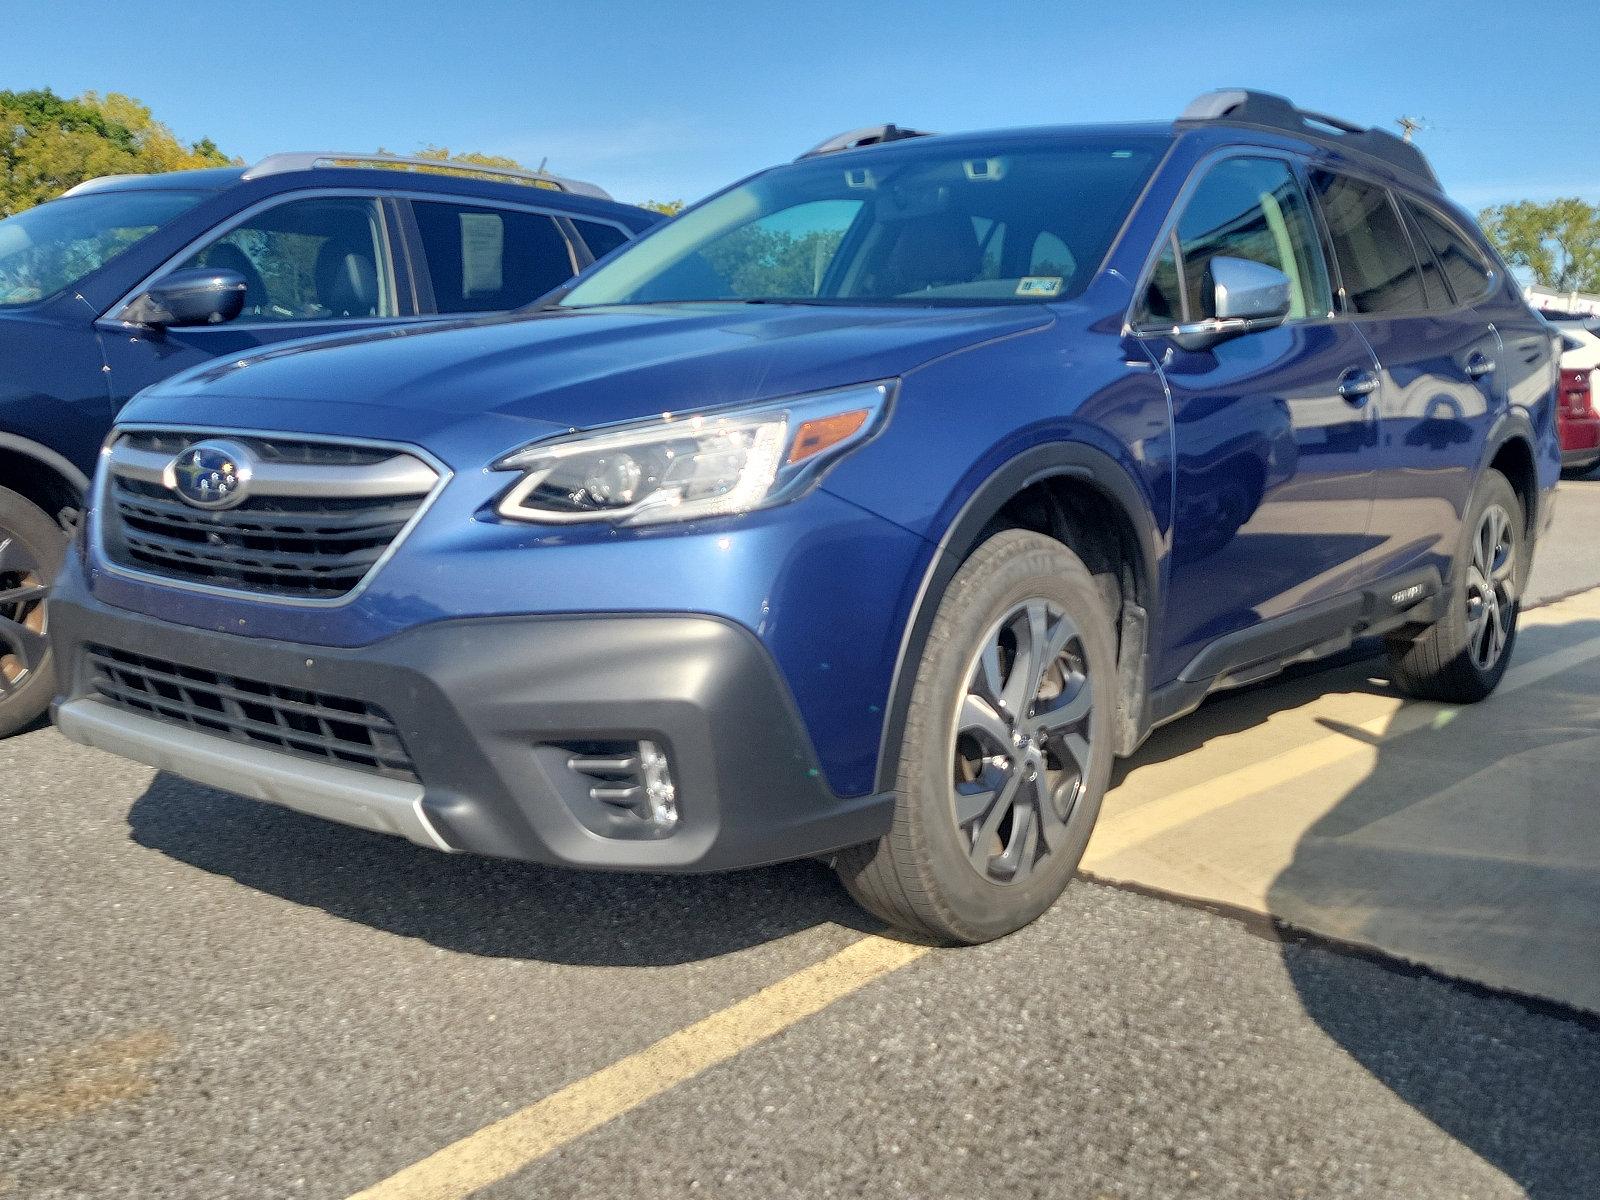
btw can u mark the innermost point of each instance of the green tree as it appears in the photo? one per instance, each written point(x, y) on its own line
point(1559, 242)
point(671, 207)
point(49, 144)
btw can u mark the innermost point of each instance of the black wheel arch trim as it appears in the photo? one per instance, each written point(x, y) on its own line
point(47, 458)
point(1072, 460)
point(1514, 426)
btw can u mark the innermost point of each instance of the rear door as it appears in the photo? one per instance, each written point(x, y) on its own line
point(1273, 486)
point(477, 257)
point(1439, 362)
point(312, 263)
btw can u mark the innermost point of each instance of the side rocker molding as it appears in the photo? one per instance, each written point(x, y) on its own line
point(1071, 460)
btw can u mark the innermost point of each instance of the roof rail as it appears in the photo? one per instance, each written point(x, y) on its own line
point(1239, 106)
point(868, 135)
point(278, 164)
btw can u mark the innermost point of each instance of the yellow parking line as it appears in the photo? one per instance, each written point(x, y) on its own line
point(1119, 832)
point(506, 1147)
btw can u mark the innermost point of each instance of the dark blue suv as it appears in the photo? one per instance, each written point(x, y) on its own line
point(865, 511)
point(125, 281)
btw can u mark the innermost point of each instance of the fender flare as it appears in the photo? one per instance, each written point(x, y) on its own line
point(47, 457)
point(1072, 460)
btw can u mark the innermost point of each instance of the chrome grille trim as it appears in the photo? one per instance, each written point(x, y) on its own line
point(293, 472)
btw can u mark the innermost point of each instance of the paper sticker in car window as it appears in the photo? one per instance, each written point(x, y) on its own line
point(1039, 285)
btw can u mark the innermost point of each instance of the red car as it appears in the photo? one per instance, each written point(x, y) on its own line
point(1578, 413)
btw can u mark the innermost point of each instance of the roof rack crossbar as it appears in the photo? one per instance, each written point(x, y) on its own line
point(1265, 110)
point(867, 135)
point(278, 164)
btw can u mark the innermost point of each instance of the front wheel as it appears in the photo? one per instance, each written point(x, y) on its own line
point(1461, 658)
point(31, 548)
point(1007, 748)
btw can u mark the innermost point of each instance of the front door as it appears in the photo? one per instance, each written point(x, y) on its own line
point(313, 265)
point(1272, 431)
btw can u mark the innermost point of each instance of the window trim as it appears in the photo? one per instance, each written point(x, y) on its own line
point(221, 230)
point(579, 255)
point(1491, 285)
point(1169, 229)
point(1396, 195)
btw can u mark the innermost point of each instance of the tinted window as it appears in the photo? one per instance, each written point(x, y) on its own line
point(1463, 265)
point(916, 222)
point(1379, 271)
point(486, 259)
point(1434, 289)
point(601, 239)
point(52, 246)
point(1249, 208)
point(321, 259)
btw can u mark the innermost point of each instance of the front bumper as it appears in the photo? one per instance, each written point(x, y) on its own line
point(483, 707)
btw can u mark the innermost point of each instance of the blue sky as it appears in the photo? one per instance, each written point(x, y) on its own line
point(670, 100)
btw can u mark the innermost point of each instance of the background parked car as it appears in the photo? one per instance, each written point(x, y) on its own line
point(129, 279)
point(1578, 415)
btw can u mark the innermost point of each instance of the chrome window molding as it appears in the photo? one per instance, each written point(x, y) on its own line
point(102, 485)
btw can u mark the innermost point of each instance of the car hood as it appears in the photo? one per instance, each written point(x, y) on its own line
point(580, 368)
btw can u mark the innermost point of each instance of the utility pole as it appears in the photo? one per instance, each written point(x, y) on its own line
point(1411, 126)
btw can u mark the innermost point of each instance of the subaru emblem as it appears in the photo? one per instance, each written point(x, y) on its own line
point(213, 474)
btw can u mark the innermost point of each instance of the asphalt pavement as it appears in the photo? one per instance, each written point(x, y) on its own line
point(210, 997)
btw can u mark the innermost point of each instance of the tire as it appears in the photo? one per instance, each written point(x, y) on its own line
point(1461, 658)
point(989, 826)
point(31, 549)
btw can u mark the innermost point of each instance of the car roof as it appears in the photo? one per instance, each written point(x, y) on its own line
point(300, 170)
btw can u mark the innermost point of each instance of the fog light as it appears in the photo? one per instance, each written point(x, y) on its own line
point(660, 796)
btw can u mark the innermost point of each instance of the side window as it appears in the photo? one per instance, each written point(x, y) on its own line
point(1434, 289)
point(1249, 208)
point(600, 238)
point(1380, 272)
point(1164, 300)
point(1463, 265)
point(483, 259)
point(318, 259)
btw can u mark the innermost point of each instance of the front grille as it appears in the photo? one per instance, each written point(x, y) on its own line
point(314, 725)
point(317, 519)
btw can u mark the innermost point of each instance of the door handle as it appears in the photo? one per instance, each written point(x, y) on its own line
point(1357, 385)
point(1479, 365)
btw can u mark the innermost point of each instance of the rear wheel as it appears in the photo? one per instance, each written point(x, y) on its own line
point(31, 548)
point(1461, 658)
point(1007, 748)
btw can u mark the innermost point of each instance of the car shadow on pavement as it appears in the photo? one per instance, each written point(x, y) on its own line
point(484, 906)
point(1473, 847)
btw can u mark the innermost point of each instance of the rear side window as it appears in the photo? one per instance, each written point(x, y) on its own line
point(1462, 263)
point(1380, 272)
point(601, 239)
point(484, 259)
point(1249, 208)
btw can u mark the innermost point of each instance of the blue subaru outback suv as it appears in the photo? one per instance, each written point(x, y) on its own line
point(866, 511)
point(127, 280)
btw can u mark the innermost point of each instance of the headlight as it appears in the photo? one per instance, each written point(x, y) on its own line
point(708, 464)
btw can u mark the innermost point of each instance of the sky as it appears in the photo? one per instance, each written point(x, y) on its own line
point(671, 100)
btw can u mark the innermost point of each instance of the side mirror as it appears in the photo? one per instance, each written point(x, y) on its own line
point(1247, 296)
point(196, 296)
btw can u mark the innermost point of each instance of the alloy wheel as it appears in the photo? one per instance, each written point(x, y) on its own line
point(1491, 588)
point(23, 589)
point(1021, 738)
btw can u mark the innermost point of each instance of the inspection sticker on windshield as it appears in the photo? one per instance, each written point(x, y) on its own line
point(1039, 285)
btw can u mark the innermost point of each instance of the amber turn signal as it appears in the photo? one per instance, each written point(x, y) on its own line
point(819, 434)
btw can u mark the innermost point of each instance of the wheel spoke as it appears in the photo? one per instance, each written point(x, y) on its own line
point(1028, 663)
point(975, 799)
point(1067, 711)
point(1004, 801)
point(1076, 747)
point(22, 642)
point(979, 717)
point(24, 594)
point(1017, 859)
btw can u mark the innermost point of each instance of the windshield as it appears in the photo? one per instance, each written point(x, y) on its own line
point(912, 223)
point(51, 247)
